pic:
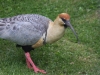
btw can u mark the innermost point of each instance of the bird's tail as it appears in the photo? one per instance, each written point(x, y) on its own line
point(2, 29)
point(2, 25)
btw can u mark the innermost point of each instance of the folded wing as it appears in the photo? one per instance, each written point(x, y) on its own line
point(24, 29)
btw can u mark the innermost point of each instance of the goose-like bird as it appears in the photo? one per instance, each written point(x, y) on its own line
point(30, 31)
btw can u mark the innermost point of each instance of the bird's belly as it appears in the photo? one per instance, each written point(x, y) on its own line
point(38, 44)
point(23, 40)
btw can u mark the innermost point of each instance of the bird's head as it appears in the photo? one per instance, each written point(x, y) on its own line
point(65, 20)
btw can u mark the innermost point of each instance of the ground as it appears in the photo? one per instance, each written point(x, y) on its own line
point(64, 57)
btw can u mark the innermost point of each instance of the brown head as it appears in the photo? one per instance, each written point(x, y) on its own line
point(66, 20)
point(64, 15)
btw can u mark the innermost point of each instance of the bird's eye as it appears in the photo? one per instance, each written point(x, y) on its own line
point(64, 20)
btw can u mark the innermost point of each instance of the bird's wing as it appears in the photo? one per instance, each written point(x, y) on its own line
point(24, 29)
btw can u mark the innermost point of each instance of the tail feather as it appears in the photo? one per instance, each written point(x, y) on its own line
point(2, 24)
point(1, 29)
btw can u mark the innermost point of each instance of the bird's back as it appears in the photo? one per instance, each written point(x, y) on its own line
point(24, 29)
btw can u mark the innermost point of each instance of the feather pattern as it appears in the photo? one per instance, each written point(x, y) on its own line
point(24, 29)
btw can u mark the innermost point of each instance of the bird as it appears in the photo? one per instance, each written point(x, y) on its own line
point(30, 31)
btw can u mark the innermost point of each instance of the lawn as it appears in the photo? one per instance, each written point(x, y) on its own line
point(64, 57)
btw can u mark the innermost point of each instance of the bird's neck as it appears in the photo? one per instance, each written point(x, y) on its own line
point(55, 32)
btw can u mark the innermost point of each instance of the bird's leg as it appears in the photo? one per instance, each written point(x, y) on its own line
point(28, 64)
point(31, 63)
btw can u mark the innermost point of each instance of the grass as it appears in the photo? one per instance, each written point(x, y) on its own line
point(65, 57)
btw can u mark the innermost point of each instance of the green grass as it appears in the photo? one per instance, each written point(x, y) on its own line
point(65, 57)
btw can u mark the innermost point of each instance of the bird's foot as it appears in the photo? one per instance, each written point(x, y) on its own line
point(28, 64)
point(36, 70)
point(31, 64)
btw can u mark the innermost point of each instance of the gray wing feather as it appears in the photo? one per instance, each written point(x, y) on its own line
point(23, 29)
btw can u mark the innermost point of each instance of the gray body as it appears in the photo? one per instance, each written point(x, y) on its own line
point(24, 29)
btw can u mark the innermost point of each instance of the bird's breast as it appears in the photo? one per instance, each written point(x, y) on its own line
point(54, 33)
point(38, 44)
point(40, 41)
